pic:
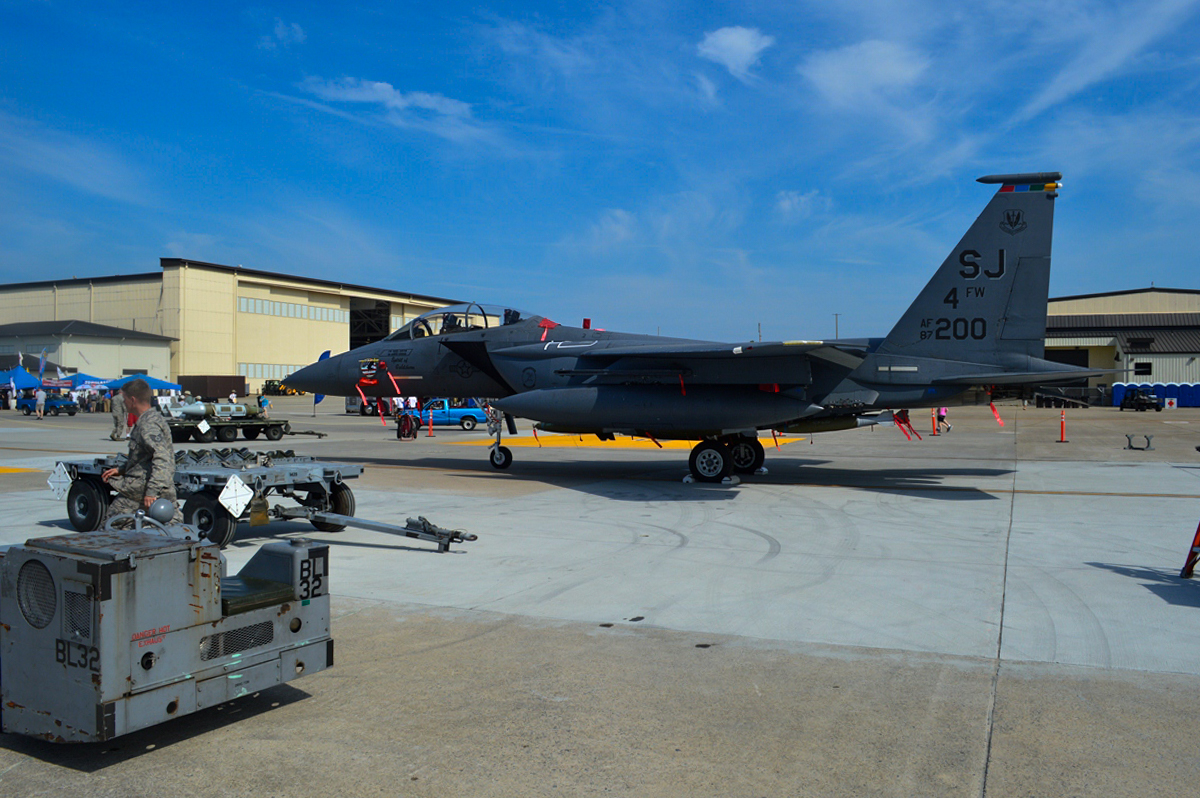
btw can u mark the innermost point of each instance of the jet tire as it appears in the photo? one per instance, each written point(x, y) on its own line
point(468, 423)
point(710, 461)
point(206, 514)
point(87, 502)
point(747, 455)
point(500, 458)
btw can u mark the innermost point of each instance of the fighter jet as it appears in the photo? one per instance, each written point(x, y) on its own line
point(979, 323)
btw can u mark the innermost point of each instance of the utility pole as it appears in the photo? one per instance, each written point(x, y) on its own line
point(760, 332)
point(835, 326)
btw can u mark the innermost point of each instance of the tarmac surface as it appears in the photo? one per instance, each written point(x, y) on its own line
point(985, 612)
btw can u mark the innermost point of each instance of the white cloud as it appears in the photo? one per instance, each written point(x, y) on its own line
point(432, 113)
point(736, 48)
point(864, 74)
point(284, 35)
point(1111, 45)
point(614, 228)
point(794, 206)
point(68, 159)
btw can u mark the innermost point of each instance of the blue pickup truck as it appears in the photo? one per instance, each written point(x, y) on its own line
point(55, 404)
point(467, 416)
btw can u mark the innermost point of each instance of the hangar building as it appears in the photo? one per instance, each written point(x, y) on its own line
point(212, 320)
point(1152, 332)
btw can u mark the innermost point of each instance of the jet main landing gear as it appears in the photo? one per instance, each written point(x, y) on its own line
point(715, 460)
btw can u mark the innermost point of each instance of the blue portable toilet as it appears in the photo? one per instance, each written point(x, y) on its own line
point(1118, 393)
point(1187, 395)
point(1160, 391)
point(1172, 391)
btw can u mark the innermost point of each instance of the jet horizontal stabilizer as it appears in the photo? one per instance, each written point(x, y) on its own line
point(1018, 377)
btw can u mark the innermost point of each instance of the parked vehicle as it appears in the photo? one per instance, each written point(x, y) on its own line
point(55, 404)
point(468, 416)
point(1140, 399)
point(276, 388)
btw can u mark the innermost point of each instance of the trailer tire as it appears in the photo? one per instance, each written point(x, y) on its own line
point(204, 437)
point(180, 435)
point(87, 502)
point(274, 432)
point(250, 433)
point(206, 514)
point(341, 501)
point(227, 434)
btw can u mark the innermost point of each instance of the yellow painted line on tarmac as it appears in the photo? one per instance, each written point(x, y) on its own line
point(6, 470)
point(548, 441)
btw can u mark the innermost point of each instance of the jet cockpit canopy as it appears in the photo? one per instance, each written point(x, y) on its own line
point(459, 318)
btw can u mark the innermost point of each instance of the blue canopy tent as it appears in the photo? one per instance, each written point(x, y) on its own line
point(20, 377)
point(79, 378)
point(154, 382)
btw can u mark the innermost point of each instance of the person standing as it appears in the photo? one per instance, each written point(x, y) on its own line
point(233, 397)
point(118, 414)
point(39, 399)
point(149, 470)
point(941, 417)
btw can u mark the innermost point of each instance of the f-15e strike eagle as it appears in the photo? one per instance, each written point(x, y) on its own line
point(979, 323)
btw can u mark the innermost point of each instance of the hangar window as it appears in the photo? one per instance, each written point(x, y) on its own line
point(242, 370)
point(1141, 369)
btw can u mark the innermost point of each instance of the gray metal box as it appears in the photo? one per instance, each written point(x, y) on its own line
point(104, 633)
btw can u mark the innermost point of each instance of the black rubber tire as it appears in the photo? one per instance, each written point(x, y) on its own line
point(180, 435)
point(341, 501)
point(274, 432)
point(203, 512)
point(226, 433)
point(500, 458)
point(26, 411)
point(250, 433)
point(87, 502)
point(747, 455)
point(54, 411)
point(71, 412)
point(204, 437)
point(468, 423)
point(362, 409)
point(710, 461)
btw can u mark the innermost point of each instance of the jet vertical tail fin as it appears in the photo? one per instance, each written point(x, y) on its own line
point(987, 302)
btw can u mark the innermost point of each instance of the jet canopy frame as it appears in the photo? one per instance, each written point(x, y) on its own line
point(459, 318)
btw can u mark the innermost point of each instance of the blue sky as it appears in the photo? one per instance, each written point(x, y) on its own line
point(694, 169)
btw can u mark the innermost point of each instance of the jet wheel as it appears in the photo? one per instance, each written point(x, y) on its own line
point(747, 455)
point(501, 457)
point(710, 461)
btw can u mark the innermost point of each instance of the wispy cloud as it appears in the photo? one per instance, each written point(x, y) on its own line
point(282, 36)
point(866, 75)
point(435, 114)
point(1111, 42)
point(796, 206)
point(69, 159)
point(736, 48)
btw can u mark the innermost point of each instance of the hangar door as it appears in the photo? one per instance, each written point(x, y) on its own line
point(369, 321)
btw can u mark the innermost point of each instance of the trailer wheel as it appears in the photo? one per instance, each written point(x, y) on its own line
point(204, 437)
point(250, 433)
point(274, 432)
point(87, 502)
point(227, 434)
point(341, 501)
point(213, 521)
point(180, 435)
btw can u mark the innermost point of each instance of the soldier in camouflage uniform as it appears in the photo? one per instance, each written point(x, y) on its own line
point(149, 470)
point(118, 414)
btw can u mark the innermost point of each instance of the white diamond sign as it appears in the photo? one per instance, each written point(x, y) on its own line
point(203, 427)
point(59, 482)
point(235, 496)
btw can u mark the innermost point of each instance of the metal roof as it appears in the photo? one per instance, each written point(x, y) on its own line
point(73, 327)
point(1128, 292)
point(1116, 322)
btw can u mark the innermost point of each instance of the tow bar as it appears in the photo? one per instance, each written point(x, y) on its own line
point(419, 528)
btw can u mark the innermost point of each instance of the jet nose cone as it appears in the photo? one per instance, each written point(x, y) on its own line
point(321, 377)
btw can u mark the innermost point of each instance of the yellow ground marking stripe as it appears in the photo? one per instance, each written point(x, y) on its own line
point(6, 470)
point(556, 441)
